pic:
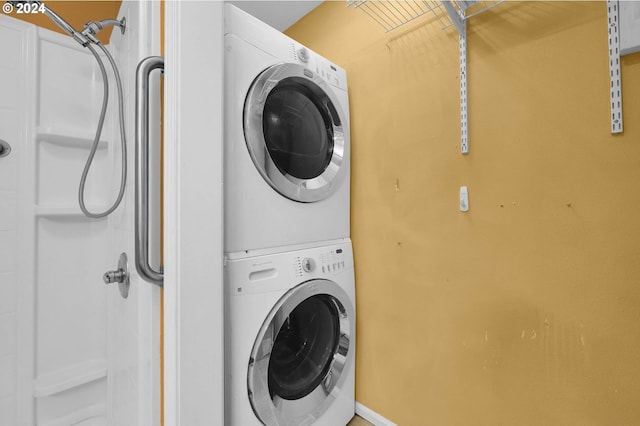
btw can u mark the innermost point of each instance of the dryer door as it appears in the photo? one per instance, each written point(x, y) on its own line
point(294, 129)
point(301, 353)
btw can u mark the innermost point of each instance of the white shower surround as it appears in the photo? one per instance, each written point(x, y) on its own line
point(71, 350)
point(60, 359)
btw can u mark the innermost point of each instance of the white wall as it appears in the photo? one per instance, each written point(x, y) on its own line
point(194, 368)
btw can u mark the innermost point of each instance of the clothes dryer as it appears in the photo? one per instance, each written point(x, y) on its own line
point(290, 338)
point(287, 144)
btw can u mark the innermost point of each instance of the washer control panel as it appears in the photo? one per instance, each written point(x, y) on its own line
point(332, 261)
point(270, 272)
point(325, 262)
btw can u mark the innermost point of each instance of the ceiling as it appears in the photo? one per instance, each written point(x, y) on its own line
point(279, 14)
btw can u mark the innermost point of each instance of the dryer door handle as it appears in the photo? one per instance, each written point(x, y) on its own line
point(145, 67)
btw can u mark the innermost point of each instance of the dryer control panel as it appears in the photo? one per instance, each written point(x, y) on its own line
point(329, 72)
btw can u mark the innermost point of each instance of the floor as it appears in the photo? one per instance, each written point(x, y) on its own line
point(359, 421)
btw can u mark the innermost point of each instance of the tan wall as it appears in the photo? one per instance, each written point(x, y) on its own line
point(77, 13)
point(526, 309)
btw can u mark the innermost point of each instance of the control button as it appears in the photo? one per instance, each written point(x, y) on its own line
point(303, 55)
point(323, 269)
point(343, 263)
point(308, 264)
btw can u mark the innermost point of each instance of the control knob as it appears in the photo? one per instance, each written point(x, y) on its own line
point(303, 55)
point(308, 264)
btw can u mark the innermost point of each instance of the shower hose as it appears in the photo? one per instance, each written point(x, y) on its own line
point(96, 140)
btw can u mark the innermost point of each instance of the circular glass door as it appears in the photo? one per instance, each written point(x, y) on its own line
point(294, 132)
point(300, 354)
point(303, 349)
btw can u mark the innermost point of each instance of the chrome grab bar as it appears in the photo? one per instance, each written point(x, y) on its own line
point(145, 67)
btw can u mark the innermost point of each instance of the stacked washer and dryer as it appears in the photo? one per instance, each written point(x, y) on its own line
point(289, 277)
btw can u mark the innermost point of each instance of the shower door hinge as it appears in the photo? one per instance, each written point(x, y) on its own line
point(615, 88)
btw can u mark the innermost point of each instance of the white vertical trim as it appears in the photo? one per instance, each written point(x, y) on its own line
point(372, 417)
point(171, 229)
point(171, 405)
point(194, 365)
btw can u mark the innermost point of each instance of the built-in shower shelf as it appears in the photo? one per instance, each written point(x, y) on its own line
point(95, 415)
point(66, 138)
point(64, 211)
point(69, 378)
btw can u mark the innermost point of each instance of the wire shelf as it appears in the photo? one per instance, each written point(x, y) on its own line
point(391, 14)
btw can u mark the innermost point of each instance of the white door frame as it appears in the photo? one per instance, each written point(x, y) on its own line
point(193, 292)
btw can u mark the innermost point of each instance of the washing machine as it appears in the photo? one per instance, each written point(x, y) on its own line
point(290, 338)
point(287, 145)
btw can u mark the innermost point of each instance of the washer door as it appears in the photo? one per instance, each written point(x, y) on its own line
point(293, 127)
point(301, 352)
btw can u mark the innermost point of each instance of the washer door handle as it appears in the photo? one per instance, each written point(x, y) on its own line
point(145, 67)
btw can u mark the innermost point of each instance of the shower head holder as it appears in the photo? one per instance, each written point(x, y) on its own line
point(92, 28)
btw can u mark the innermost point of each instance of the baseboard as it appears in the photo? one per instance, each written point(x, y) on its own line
point(371, 416)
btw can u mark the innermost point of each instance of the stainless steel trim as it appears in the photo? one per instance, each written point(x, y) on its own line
point(278, 411)
point(5, 148)
point(302, 190)
point(145, 67)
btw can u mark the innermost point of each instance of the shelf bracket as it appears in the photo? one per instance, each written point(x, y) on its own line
point(614, 66)
point(460, 23)
point(391, 14)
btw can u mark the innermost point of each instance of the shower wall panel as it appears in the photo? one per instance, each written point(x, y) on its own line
point(53, 304)
point(71, 250)
point(12, 38)
point(67, 70)
point(57, 189)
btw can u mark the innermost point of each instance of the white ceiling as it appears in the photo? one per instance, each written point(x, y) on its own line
point(279, 14)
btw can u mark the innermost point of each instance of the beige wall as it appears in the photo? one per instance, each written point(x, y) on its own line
point(526, 309)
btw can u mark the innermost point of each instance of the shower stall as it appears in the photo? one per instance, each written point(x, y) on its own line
point(73, 351)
